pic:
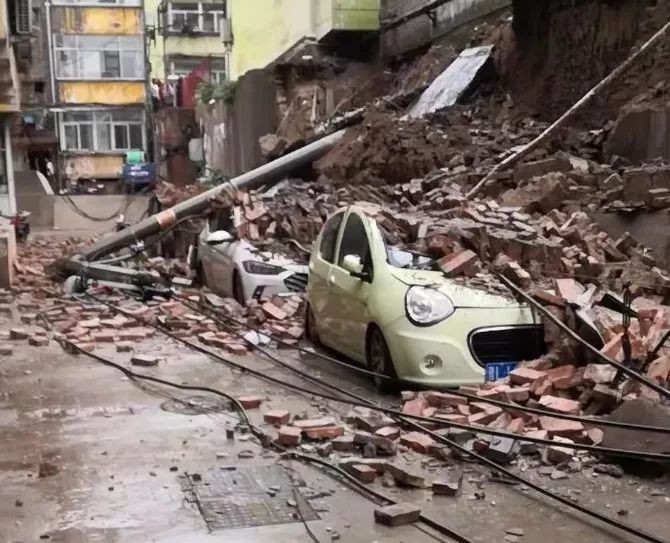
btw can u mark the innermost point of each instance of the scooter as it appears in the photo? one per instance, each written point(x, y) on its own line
point(21, 225)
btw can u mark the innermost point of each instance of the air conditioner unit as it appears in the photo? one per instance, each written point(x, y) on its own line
point(23, 16)
point(226, 31)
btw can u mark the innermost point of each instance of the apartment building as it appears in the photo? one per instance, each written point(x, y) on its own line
point(191, 32)
point(9, 107)
point(100, 83)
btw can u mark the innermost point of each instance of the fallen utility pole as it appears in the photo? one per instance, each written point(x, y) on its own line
point(655, 40)
point(200, 203)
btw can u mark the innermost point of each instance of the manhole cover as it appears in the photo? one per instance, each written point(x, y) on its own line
point(196, 405)
point(239, 498)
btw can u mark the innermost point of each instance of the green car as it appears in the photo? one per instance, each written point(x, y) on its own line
point(399, 315)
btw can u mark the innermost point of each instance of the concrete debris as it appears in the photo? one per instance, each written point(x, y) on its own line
point(398, 514)
point(448, 87)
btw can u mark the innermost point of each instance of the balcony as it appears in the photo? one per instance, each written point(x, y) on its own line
point(9, 79)
point(346, 17)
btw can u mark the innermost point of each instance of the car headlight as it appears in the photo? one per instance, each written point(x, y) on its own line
point(261, 268)
point(426, 306)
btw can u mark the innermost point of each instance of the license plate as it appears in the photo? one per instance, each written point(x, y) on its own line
point(499, 370)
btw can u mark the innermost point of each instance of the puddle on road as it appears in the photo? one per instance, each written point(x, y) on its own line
point(196, 405)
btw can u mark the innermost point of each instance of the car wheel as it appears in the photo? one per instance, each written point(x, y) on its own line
point(311, 333)
point(379, 361)
point(238, 291)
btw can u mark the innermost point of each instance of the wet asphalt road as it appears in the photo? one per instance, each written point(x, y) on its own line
point(118, 451)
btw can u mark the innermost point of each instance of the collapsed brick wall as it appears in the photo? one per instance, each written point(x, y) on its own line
point(559, 49)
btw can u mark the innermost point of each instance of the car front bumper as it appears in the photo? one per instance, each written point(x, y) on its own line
point(455, 351)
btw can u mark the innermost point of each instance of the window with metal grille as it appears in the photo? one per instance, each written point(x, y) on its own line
point(105, 130)
point(99, 57)
point(23, 16)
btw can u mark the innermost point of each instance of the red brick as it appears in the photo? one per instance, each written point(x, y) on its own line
point(560, 427)
point(595, 436)
point(38, 341)
point(86, 346)
point(277, 417)
point(289, 436)
point(455, 264)
point(415, 407)
point(417, 441)
point(18, 333)
point(274, 312)
point(525, 376)
point(482, 418)
point(363, 473)
point(324, 432)
point(613, 348)
point(389, 432)
point(517, 394)
point(542, 387)
point(560, 405)
point(497, 393)
point(441, 399)
point(305, 424)
point(343, 443)
point(251, 402)
point(659, 370)
point(452, 417)
point(516, 426)
point(561, 376)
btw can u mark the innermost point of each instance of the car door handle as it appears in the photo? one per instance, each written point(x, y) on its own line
point(331, 280)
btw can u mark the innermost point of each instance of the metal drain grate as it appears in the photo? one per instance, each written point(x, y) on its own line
point(240, 498)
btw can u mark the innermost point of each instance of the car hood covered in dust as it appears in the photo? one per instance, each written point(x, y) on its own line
point(460, 295)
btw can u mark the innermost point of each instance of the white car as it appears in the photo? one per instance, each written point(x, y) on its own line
point(234, 268)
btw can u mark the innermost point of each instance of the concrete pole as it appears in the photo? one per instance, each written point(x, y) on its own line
point(200, 203)
point(9, 161)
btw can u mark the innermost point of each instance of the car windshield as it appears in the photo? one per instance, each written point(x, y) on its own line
point(402, 258)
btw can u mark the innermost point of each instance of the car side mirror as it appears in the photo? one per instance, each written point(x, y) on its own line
point(219, 237)
point(352, 264)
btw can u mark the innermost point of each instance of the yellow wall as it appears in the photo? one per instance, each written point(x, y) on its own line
point(98, 166)
point(202, 46)
point(99, 21)
point(264, 29)
point(102, 92)
point(155, 47)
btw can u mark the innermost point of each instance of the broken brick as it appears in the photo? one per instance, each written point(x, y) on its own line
point(415, 407)
point(389, 432)
point(383, 445)
point(557, 454)
point(251, 402)
point(344, 443)
point(460, 263)
point(277, 417)
point(405, 477)
point(561, 427)
point(363, 473)
point(38, 341)
point(525, 376)
point(397, 514)
point(289, 436)
point(417, 441)
point(560, 405)
point(561, 377)
point(144, 360)
point(18, 333)
point(272, 311)
point(324, 432)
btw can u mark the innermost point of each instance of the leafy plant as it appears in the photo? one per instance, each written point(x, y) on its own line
point(219, 92)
